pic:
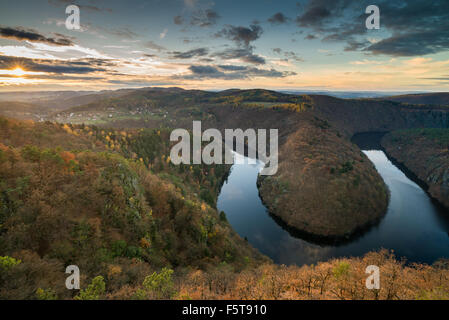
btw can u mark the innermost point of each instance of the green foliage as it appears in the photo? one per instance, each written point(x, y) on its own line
point(94, 291)
point(208, 197)
point(158, 285)
point(438, 293)
point(223, 216)
point(48, 294)
point(7, 263)
point(133, 252)
point(341, 270)
point(118, 248)
point(346, 167)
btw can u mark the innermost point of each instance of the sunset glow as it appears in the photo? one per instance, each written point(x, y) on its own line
point(206, 45)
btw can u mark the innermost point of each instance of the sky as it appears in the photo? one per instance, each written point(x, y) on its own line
point(221, 44)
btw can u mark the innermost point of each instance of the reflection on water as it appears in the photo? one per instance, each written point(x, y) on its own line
point(413, 226)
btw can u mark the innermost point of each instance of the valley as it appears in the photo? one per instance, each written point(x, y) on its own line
point(140, 213)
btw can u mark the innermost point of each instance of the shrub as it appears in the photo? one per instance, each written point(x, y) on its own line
point(341, 270)
point(118, 248)
point(158, 285)
point(94, 290)
point(6, 263)
point(43, 294)
point(223, 216)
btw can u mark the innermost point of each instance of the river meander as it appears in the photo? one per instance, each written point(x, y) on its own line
point(414, 227)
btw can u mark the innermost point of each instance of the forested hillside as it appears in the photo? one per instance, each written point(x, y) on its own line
point(139, 228)
point(108, 201)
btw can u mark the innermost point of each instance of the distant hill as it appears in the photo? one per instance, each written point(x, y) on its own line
point(345, 94)
point(439, 98)
point(38, 105)
point(20, 110)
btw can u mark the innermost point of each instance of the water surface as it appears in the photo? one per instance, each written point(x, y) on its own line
point(414, 227)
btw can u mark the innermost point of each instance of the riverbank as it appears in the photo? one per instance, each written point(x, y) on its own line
point(424, 154)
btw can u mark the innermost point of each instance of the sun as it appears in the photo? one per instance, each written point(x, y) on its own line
point(18, 72)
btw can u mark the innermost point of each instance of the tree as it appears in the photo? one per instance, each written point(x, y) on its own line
point(93, 291)
point(158, 285)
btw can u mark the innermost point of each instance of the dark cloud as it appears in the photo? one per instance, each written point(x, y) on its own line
point(82, 7)
point(204, 18)
point(232, 67)
point(232, 72)
point(317, 12)
point(412, 44)
point(310, 37)
point(152, 45)
point(313, 16)
point(81, 66)
point(122, 33)
point(204, 70)
point(293, 56)
point(200, 52)
point(278, 18)
point(34, 36)
point(446, 78)
point(415, 27)
point(290, 55)
point(53, 76)
point(243, 54)
point(241, 35)
point(178, 20)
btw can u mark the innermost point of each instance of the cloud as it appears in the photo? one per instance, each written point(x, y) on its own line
point(408, 28)
point(243, 54)
point(190, 3)
point(204, 18)
point(121, 33)
point(232, 72)
point(278, 18)
point(80, 66)
point(241, 35)
point(178, 20)
point(33, 36)
point(317, 12)
point(412, 44)
point(163, 33)
point(290, 55)
point(200, 52)
point(446, 78)
point(152, 45)
point(293, 56)
point(310, 37)
point(82, 7)
point(232, 67)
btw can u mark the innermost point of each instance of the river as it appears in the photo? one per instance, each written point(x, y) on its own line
point(414, 227)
